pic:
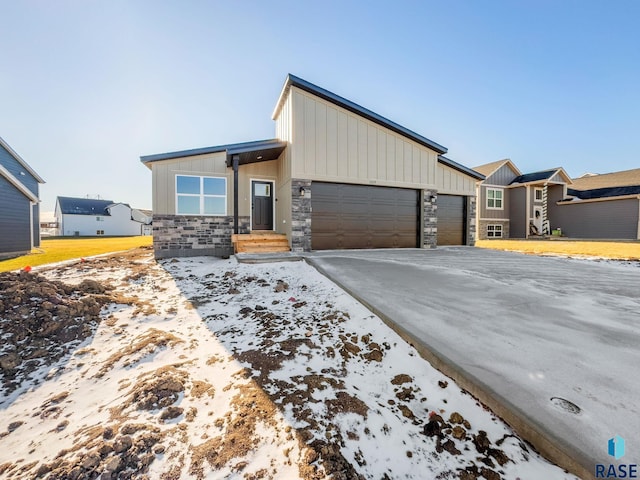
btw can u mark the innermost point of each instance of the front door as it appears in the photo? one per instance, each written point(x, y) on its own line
point(261, 205)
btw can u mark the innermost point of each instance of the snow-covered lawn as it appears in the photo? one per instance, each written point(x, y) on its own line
point(212, 369)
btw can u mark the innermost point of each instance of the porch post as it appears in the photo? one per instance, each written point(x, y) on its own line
point(235, 162)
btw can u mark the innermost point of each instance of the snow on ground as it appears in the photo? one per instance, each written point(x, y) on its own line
point(206, 368)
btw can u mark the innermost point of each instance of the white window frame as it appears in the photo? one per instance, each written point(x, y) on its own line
point(493, 230)
point(535, 194)
point(501, 199)
point(201, 195)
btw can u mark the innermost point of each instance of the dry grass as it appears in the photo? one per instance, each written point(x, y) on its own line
point(613, 250)
point(61, 249)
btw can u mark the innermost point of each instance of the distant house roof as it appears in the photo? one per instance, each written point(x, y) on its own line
point(542, 175)
point(146, 212)
point(293, 81)
point(604, 192)
point(489, 169)
point(461, 168)
point(84, 206)
point(21, 161)
point(259, 150)
point(624, 178)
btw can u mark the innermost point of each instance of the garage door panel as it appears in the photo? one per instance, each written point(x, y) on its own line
point(361, 216)
point(451, 220)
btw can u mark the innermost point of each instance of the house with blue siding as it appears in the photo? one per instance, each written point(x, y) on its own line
point(19, 204)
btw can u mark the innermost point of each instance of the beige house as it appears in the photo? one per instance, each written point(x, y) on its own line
point(336, 176)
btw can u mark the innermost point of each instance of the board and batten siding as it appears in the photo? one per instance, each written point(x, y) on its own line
point(331, 144)
point(15, 218)
point(503, 176)
point(491, 213)
point(210, 165)
point(453, 182)
point(518, 225)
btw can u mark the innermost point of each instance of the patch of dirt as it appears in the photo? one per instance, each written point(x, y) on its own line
point(41, 321)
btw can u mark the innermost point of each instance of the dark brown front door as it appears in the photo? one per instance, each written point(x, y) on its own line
point(451, 220)
point(363, 216)
point(261, 205)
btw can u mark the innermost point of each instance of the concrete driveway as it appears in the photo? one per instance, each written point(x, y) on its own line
point(552, 345)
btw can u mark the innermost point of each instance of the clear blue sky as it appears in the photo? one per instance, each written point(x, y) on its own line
point(86, 87)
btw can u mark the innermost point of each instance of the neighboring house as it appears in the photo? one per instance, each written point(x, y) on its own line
point(145, 217)
point(601, 206)
point(91, 217)
point(19, 204)
point(336, 176)
point(516, 205)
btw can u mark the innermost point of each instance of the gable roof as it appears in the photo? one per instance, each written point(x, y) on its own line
point(293, 81)
point(541, 175)
point(624, 178)
point(489, 169)
point(18, 184)
point(21, 161)
point(248, 151)
point(84, 206)
point(461, 168)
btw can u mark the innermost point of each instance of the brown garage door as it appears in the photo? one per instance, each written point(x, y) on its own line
point(361, 216)
point(451, 220)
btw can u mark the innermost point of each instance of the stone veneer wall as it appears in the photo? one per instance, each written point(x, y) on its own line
point(482, 234)
point(430, 219)
point(471, 221)
point(300, 216)
point(189, 236)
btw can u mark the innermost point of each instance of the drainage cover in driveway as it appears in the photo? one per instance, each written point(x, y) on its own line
point(566, 405)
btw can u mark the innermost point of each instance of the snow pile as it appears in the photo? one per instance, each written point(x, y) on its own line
point(205, 368)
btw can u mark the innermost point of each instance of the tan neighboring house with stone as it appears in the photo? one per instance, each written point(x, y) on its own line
point(516, 205)
point(335, 176)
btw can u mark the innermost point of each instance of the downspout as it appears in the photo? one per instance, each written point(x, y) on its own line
point(235, 162)
point(527, 194)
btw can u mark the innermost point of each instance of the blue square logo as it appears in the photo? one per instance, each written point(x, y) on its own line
point(616, 447)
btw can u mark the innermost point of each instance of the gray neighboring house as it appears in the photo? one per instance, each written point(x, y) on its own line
point(605, 206)
point(336, 175)
point(19, 204)
point(516, 205)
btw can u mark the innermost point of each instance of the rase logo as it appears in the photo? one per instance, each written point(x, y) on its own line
point(616, 449)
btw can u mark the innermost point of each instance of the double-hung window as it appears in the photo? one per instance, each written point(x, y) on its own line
point(494, 198)
point(201, 195)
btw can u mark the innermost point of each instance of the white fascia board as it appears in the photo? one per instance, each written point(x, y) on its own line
point(18, 184)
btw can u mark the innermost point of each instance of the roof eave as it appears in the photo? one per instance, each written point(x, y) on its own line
point(293, 81)
point(20, 160)
point(461, 168)
point(18, 184)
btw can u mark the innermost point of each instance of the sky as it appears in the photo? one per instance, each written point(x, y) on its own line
point(87, 87)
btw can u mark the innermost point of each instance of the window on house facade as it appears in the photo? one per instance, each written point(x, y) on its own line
point(201, 195)
point(99, 232)
point(538, 194)
point(99, 219)
point(494, 198)
point(494, 231)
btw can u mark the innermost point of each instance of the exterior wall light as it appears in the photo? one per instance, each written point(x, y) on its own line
point(432, 198)
point(302, 190)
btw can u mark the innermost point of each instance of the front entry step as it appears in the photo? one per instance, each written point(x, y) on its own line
point(268, 242)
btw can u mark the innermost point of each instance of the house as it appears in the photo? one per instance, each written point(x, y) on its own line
point(19, 204)
point(94, 217)
point(335, 176)
point(517, 205)
point(601, 206)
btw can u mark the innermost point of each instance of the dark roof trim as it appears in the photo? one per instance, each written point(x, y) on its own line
point(534, 176)
point(461, 168)
point(604, 192)
point(232, 148)
point(293, 81)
